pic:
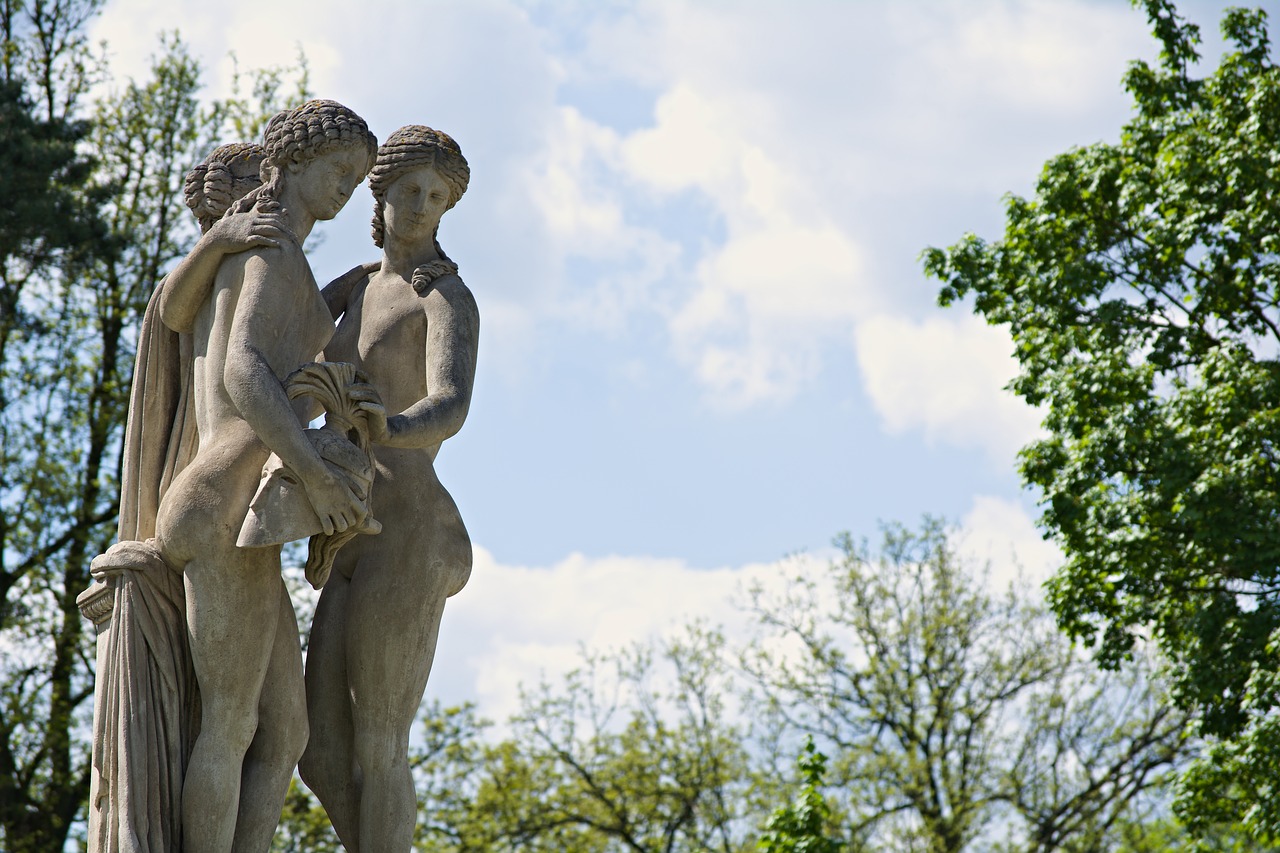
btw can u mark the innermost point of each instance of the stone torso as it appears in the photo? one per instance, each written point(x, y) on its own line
point(384, 333)
point(297, 336)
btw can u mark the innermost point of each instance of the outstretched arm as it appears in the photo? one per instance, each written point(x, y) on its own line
point(453, 332)
point(186, 288)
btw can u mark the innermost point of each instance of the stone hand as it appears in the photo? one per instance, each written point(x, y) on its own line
point(366, 399)
point(240, 232)
point(333, 501)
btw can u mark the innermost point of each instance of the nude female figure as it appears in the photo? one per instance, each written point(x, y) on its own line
point(263, 319)
point(145, 688)
point(411, 325)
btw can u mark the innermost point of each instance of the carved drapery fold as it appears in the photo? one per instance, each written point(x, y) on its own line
point(146, 704)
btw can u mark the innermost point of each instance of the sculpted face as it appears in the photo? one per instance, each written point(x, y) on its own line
point(414, 203)
point(324, 184)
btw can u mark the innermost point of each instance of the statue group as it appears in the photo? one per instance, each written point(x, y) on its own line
point(203, 705)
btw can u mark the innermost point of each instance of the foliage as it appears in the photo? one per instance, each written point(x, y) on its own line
point(49, 220)
point(801, 826)
point(609, 762)
point(1093, 759)
point(304, 826)
point(446, 771)
point(73, 366)
point(1141, 286)
point(244, 115)
point(1161, 835)
point(948, 711)
point(929, 693)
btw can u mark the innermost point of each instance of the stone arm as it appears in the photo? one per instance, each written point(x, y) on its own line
point(337, 293)
point(261, 312)
point(187, 287)
point(453, 332)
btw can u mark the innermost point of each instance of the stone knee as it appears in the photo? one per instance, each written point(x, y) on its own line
point(311, 767)
point(381, 746)
point(293, 742)
point(230, 731)
point(282, 739)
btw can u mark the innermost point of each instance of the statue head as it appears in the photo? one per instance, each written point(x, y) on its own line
point(229, 173)
point(408, 148)
point(293, 138)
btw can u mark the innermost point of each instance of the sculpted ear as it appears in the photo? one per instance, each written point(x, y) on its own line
point(293, 167)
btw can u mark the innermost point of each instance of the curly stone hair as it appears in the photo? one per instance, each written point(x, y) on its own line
point(409, 147)
point(303, 133)
point(212, 187)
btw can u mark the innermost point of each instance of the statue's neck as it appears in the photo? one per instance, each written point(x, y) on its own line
point(295, 217)
point(402, 259)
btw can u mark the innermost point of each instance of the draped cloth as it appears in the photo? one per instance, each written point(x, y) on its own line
point(146, 709)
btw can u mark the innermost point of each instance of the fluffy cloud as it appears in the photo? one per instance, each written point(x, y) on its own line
point(1036, 56)
point(999, 533)
point(518, 625)
point(945, 376)
point(815, 173)
point(784, 279)
point(811, 162)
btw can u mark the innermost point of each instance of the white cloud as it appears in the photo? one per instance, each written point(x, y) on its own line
point(572, 188)
point(766, 301)
point(516, 625)
point(999, 532)
point(807, 151)
point(1037, 56)
point(945, 376)
point(784, 279)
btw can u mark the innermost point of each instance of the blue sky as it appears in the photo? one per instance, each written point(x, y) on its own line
point(693, 230)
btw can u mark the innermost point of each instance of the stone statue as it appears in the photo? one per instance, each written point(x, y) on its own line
point(263, 320)
point(411, 325)
point(254, 317)
point(146, 704)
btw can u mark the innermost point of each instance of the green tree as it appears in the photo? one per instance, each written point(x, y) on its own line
point(72, 364)
point(1141, 286)
point(48, 222)
point(244, 115)
point(631, 753)
point(1091, 764)
point(304, 826)
point(447, 767)
point(801, 826)
point(956, 720)
point(950, 713)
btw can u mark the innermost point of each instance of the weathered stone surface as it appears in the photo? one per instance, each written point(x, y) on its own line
point(208, 409)
point(200, 714)
point(411, 326)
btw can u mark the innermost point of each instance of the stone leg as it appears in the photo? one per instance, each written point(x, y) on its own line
point(232, 615)
point(279, 741)
point(328, 765)
point(391, 641)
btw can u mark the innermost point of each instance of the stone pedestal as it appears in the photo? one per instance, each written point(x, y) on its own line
point(96, 604)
